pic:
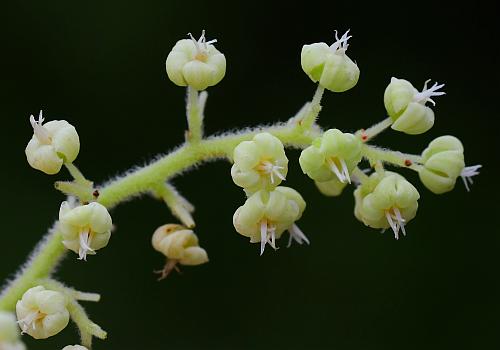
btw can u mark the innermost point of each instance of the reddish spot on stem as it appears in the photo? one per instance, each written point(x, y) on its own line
point(364, 137)
point(408, 162)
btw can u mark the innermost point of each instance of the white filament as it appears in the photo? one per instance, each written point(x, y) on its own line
point(342, 175)
point(267, 235)
point(426, 93)
point(29, 321)
point(85, 241)
point(396, 221)
point(272, 170)
point(202, 44)
point(340, 45)
point(468, 173)
point(41, 133)
point(297, 235)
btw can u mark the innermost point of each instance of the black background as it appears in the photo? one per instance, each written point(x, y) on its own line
point(100, 65)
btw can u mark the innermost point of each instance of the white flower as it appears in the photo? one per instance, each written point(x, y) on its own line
point(329, 65)
point(85, 228)
point(52, 145)
point(74, 347)
point(42, 313)
point(196, 63)
point(406, 106)
point(266, 215)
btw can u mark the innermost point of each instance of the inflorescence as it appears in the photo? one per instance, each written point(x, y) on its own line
point(331, 158)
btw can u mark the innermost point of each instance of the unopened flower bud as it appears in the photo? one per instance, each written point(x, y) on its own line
point(266, 215)
point(179, 245)
point(443, 162)
point(385, 201)
point(330, 65)
point(74, 347)
point(260, 163)
point(42, 313)
point(52, 145)
point(9, 332)
point(195, 63)
point(406, 106)
point(331, 188)
point(334, 155)
point(85, 229)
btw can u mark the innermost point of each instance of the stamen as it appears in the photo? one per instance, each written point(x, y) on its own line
point(340, 45)
point(336, 171)
point(272, 239)
point(85, 241)
point(272, 169)
point(263, 236)
point(401, 221)
point(202, 44)
point(41, 133)
point(468, 173)
point(345, 171)
point(393, 225)
point(29, 321)
point(297, 235)
point(425, 95)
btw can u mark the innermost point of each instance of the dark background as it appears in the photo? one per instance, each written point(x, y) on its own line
point(100, 65)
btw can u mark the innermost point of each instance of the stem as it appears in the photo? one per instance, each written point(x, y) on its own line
point(360, 175)
point(374, 154)
point(39, 266)
point(47, 255)
point(188, 155)
point(85, 325)
point(77, 174)
point(179, 206)
point(374, 130)
point(194, 107)
point(313, 108)
point(70, 292)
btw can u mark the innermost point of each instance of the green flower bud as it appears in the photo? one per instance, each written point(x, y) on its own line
point(385, 201)
point(331, 188)
point(443, 162)
point(334, 155)
point(42, 313)
point(52, 144)
point(9, 332)
point(85, 229)
point(329, 65)
point(260, 163)
point(179, 245)
point(196, 63)
point(406, 106)
point(266, 215)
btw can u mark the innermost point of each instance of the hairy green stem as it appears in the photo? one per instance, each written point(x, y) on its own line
point(51, 250)
point(375, 154)
point(40, 265)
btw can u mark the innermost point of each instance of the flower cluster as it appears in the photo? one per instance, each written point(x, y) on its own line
point(331, 158)
point(260, 165)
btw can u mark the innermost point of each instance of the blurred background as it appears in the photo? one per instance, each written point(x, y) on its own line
point(100, 65)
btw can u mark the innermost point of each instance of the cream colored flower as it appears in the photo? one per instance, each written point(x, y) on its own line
point(52, 145)
point(179, 245)
point(196, 63)
point(42, 313)
point(85, 229)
